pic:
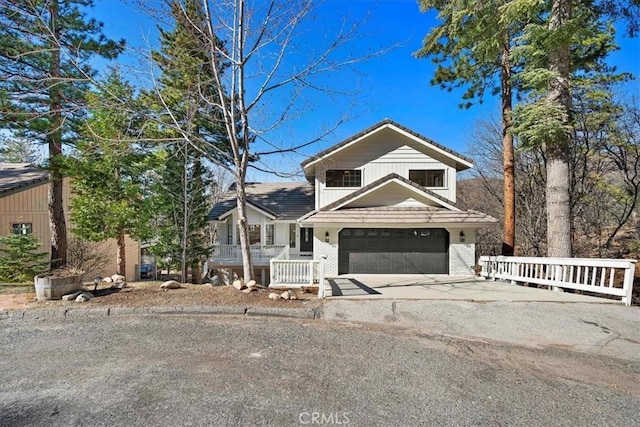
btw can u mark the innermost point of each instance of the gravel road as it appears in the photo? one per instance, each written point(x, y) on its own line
point(215, 370)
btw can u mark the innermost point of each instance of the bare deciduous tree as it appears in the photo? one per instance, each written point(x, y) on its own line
point(262, 73)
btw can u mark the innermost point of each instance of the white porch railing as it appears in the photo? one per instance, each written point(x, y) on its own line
point(290, 273)
point(233, 253)
point(603, 276)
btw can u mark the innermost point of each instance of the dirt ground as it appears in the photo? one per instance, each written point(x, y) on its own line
point(149, 294)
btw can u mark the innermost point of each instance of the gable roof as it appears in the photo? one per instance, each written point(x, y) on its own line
point(462, 162)
point(443, 202)
point(278, 200)
point(15, 177)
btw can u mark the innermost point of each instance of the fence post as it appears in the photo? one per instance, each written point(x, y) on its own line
point(628, 283)
point(321, 290)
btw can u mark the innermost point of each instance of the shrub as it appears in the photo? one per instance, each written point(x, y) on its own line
point(20, 259)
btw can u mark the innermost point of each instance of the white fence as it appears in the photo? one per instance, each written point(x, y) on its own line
point(290, 273)
point(603, 276)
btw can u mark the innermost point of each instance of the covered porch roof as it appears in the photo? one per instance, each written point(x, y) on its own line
point(398, 217)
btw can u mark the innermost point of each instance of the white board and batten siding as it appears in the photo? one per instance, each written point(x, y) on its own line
point(382, 154)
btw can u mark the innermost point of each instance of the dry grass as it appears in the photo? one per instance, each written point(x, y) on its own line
point(149, 294)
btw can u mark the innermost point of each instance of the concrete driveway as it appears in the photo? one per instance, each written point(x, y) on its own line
point(443, 287)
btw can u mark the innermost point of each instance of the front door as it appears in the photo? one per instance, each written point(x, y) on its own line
point(306, 239)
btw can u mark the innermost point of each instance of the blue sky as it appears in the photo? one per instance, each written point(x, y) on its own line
point(394, 85)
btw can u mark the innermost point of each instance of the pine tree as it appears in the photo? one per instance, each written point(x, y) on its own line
point(571, 43)
point(18, 150)
point(193, 126)
point(45, 70)
point(472, 49)
point(109, 171)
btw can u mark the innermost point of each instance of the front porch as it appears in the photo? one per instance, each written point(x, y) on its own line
point(227, 259)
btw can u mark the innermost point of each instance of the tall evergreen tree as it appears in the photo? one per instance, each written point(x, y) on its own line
point(18, 150)
point(45, 70)
point(472, 48)
point(109, 171)
point(572, 43)
point(181, 102)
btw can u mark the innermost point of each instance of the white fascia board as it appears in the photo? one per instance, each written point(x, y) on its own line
point(254, 207)
point(337, 150)
point(457, 225)
point(433, 147)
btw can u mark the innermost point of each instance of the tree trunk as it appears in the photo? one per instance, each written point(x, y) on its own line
point(243, 230)
point(55, 207)
point(185, 215)
point(121, 257)
point(196, 274)
point(557, 152)
point(509, 231)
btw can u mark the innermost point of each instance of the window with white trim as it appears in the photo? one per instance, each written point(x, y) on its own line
point(427, 178)
point(269, 234)
point(292, 235)
point(22, 228)
point(344, 178)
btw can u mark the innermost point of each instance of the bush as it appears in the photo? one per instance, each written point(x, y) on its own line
point(20, 259)
point(85, 256)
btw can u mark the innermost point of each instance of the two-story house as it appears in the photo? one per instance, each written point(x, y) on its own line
point(380, 202)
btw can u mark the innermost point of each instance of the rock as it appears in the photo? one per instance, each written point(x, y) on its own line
point(273, 295)
point(170, 284)
point(251, 284)
point(239, 285)
point(215, 280)
point(71, 297)
point(292, 295)
point(118, 278)
point(84, 297)
point(120, 285)
point(107, 280)
point(248, 290)
point(285, 295)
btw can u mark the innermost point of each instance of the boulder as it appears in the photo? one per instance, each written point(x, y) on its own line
point(118, 278)
point(285, 295)
point(84, 297)
point(107, 280)
point(170, 284)
point(248, 290)
point(120, 285)
point(215, 280)
point(72, 296)
point(273, 295)
point(251, 284)
point(239, 284)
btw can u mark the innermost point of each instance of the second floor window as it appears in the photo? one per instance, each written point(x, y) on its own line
point(427, 178)
point(344, 178)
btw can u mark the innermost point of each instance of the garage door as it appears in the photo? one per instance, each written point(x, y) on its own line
point(393, 251)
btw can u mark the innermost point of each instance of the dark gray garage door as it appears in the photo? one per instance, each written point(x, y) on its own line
point(393, 251)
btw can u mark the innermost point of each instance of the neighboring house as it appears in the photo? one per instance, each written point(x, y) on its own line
point(23, 210)
point(382, 202)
